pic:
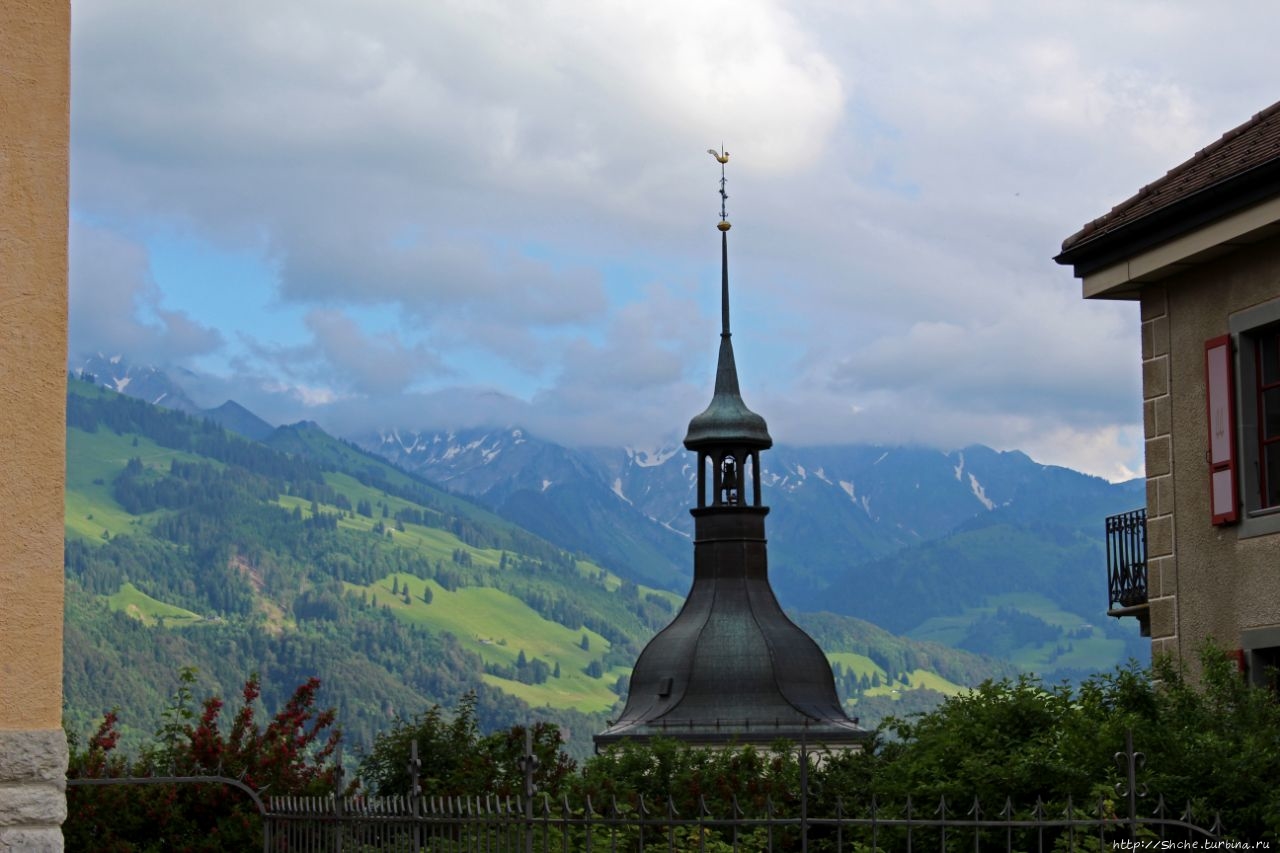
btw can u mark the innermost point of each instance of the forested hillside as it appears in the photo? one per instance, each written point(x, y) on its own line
point(304, 556)
point(978, 549)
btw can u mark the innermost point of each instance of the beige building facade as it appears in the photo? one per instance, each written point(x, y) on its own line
point(1199, 249)
point(34, 126)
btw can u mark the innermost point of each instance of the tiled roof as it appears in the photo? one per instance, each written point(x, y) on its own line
point(1252, 144)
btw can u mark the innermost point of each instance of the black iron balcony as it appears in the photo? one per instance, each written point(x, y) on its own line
point(1127, 566)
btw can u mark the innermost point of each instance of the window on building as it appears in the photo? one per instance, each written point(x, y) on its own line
point(1260, 649)
point(1266, 346)
point(1256, 336)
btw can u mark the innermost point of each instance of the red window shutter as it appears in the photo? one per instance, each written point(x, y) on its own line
point(1219, 383)
point(1241, 660)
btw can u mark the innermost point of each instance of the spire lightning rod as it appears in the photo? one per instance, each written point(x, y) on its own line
point(722, 157)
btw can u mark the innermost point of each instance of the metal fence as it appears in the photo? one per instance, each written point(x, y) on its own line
point(478, 823)
point(538, 822)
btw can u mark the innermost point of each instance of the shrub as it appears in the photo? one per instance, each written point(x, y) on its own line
point(293, 754)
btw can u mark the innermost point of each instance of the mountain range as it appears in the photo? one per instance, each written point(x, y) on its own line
point(303, 555)
point(920, 541)
point(981, 551)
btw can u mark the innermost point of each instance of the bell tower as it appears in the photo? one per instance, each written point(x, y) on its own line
point(731, 667)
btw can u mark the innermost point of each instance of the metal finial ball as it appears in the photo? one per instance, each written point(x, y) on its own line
point(724, 225)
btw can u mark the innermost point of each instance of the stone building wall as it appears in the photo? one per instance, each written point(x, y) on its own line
point(1221, 582)
point(1162, 575)
point(34, 126)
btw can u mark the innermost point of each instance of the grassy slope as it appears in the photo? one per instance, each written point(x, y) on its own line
point(93, 461)
point(918, 678)
point(149, 611)
point(1096, 651)
point(498, 626)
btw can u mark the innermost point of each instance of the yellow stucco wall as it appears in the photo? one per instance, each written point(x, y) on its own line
point(1221, 584)
point(34, 127)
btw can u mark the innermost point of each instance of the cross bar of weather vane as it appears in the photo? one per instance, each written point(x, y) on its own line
point(722, 157)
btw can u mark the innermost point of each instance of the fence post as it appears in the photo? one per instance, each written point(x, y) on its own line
point(415, 793)
point(528, 763)
point(1130, 761)
point(804, 788)
point(337, 802)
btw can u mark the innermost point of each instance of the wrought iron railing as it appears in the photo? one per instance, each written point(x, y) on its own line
point(449, 824)
point(1127, 559)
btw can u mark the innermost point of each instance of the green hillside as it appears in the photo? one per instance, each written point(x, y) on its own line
point(304, 556)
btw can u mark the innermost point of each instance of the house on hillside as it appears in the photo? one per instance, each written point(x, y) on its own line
point(1199, 250)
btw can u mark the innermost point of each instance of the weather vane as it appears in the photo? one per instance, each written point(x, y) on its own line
point(722, 157)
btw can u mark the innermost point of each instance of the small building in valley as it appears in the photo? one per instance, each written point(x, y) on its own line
point(1199, 250)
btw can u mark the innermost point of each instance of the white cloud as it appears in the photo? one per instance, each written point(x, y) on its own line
point(507, 177)
point(116, 306)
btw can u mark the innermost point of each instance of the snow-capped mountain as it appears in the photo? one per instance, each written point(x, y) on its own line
point(154, 385)
point(835, 511)
point(561, 493)
point(142, 381)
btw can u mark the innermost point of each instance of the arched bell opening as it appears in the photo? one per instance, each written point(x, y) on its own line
point(729, 492)
point(729, 477)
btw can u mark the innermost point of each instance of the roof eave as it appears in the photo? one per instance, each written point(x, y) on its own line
point(1168, 223)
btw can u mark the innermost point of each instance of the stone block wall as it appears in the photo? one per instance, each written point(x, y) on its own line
point(1162, 575)
point(33, 803)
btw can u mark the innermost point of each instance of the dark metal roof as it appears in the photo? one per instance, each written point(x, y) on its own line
point(1240, 168)
point(731, 666)
point(727, 420)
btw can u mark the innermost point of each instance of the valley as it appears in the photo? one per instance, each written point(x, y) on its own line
point(303, 555)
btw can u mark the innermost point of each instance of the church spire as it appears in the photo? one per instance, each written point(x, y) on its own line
point(731, 667)
point(727, 420)
point(722, 157)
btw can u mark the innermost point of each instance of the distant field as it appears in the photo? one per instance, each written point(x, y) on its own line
point(1094, 652)
point(859, 664)
point(432, 542)
point(148, 610)
point(93, 461)
point(509, 627)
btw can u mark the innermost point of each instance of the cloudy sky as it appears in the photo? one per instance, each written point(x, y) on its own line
point(424, 213)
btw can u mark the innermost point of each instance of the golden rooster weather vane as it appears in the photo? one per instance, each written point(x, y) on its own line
point(722, 157)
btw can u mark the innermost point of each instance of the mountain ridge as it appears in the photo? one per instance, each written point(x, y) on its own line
point(845, 520)
point(189, 545)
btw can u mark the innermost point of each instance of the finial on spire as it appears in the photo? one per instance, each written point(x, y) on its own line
point(722, 157)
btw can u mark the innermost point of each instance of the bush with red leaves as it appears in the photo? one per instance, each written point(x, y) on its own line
point(293, 754)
